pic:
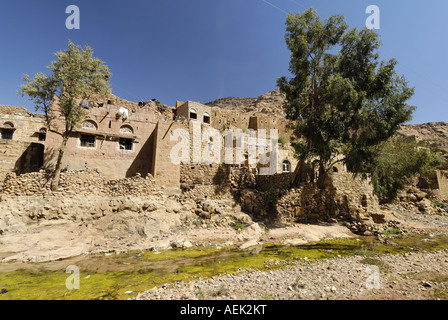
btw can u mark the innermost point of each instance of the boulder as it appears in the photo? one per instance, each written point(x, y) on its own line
point(149, 206)
point(426, 206)
point(248, 244)
point(181, 243)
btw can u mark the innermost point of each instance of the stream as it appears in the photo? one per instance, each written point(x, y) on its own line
point(121, 276)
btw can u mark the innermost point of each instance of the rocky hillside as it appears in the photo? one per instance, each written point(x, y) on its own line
point(437, 131)
point(270, 103)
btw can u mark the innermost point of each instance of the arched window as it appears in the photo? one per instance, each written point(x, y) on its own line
point(42, 135)
point(7, 130)
point(193, 114)
point(126, 129)
point(89, 124)
point(206, 118)
point(286, 166)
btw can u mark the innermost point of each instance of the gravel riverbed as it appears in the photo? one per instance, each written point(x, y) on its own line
point(413, 276)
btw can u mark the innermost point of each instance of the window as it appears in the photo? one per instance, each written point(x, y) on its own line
point(7, 134)
point(89, 125)
point(193, 114)
point(87, 141)
point(286, 166)
point(126, 129)
point(125, 144)
point(206, 118)
point(7, 130)
point(42, 134)
point(85, 104)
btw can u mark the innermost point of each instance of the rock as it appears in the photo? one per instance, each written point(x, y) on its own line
point(161, 245)
point(128, 205)
point(254, 231)
point(412, 197)
point(149, 206)
point(294, 242)
point(248, 244)
point(203, 214)
point(425, 206)
point(420, 195)
point(181, 244)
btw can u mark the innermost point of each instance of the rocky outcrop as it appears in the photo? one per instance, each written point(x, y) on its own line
point(427, 131)
point(270, 103)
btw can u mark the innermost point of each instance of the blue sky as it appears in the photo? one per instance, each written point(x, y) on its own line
point(202, 50)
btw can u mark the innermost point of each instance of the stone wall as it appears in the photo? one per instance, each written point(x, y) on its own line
point(26, 125)
point(88, 182)
point(19, 157)
point(166, 173)
point(346, 199)
point(442, 179)
point(304, 204)
point(24, 152)
point(192, 175)
point(278, 181)
point(356, 193)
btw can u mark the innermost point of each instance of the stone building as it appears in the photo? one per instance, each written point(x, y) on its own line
point(194, 111)
point(120, 138)
point(22, 140)
point(119, 142)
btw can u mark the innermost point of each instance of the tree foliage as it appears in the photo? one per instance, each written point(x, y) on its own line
point(341, 98)
point(76, 79)
point(397, 162)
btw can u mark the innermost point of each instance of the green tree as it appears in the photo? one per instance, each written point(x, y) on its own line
point(76, 79)
point(397, 162)
point(341, 99)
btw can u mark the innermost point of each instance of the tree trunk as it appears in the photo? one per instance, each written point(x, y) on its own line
point(323, 175)
point(298, 173)
point(57, 170)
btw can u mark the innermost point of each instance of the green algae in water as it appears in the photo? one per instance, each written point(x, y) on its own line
point(178, 253)
point(50, 285)
point(165, 267)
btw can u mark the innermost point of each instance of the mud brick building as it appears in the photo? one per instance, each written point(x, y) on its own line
point(120, 139)
point(119, 142)
point(22, 140)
